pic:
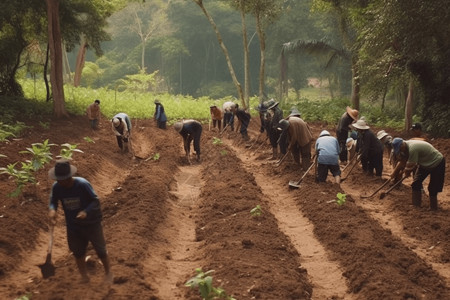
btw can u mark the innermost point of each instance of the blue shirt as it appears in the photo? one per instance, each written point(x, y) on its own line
point(81, 196)
point(327, 148)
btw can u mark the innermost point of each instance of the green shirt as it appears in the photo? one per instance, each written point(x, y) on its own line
point(423, 154)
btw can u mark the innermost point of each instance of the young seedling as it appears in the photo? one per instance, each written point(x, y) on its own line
point(256, 211)
point(341, 198)
point(41, 154)
point(68, 150)
point(217, 141)
point(21, 177)
point(89, 140)
point(203, 281)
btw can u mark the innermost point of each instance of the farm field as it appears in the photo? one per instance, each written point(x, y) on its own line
point(164, 218)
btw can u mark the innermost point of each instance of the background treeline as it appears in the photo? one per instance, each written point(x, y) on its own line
point(386, 53)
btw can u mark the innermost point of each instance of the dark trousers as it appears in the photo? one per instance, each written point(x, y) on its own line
point(228, 118)
point(437, 175)
point(342, 138)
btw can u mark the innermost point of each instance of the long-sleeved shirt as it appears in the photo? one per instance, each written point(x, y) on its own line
point(327, 148)
point(299, 132)
point(160, 115)
point(93, 111)
point(80, 196)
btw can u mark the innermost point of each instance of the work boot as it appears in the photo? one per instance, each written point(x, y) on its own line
point(417, 198)
point(433, 203)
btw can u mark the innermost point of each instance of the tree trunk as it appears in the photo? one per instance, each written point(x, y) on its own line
point(47, 88)
point(262, 46)
point(355, 82)
point(56, 69)
point(408, 107)
point(143, 56)
point(246, 61)
point(79, 65)
point(225, 51)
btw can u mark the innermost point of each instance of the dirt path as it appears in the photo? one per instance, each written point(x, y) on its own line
point(176, 254)
point(325, 274)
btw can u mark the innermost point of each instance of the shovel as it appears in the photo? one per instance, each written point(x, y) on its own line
point(278, 163)
point(47, 268)
point(296, 184)
point(377, 190)
point(382, 195)
point(357, 161)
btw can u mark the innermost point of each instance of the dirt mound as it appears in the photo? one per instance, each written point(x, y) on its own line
point(163, 218)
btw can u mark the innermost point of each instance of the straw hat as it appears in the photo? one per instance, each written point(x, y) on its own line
point(360, 124)
point(353, 113)
point(323, 133)
point(381, 134)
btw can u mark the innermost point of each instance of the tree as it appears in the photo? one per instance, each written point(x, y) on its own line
point(225, 51)
point(56, 69)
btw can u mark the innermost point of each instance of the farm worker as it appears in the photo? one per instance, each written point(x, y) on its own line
point(243, 121)
point(343, 127)
point(190, 130)
point(93, 113)
point(216, 116)
point(273, 117)
point(160, 115)
point(262, 109)
point(386, 141)
point(428, 160)
point(370, 149)
point(228, 116)
point(121, 126)
point(327, 151)
point(300, 137)
point(83, 216)
point(416, 130)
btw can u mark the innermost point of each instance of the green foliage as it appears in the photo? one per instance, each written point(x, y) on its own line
point(89, 140)
point(341, 198)
point(21, 176)
point(44, 125)
point(27, 296)
point(223, 152)
point(217, 141)
point(40, 154)
point(156, 156)
point(204, 282)
point(256, 211)
point(68, 150)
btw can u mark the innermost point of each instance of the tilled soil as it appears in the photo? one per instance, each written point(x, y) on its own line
point(163, 218)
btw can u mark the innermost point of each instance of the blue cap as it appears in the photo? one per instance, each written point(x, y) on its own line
point(396, 143)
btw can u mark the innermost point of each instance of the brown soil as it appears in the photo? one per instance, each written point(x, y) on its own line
point(163, 218)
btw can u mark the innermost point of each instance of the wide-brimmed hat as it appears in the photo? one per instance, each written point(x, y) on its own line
point(360, 124)
point(294, 113)
point(272, 103)
point(283, 124)
point(116, 122)
point(396, 143)
point(323, 133)
point(157, 101)
point(353, 113)
point(381, 134)
point(178, 126)
point(62, 170)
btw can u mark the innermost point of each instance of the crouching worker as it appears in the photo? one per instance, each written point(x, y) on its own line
point(83, 216)
point(121, 126)
point(327, 150)
point(190, 130)
point(429, 161)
